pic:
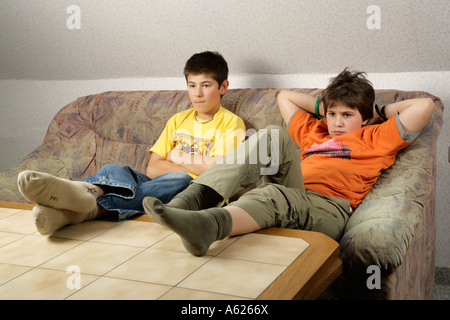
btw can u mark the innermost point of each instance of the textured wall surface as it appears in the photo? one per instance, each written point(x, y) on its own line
point(153, 38)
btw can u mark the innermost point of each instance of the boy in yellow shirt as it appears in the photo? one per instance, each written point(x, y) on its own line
point(192, 142)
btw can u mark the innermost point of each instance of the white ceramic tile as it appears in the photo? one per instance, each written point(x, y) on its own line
point(159, 266)
point(20, 222)
point(41, 284)
point(265, 248)
point(188, 294)
point(7, 237)
point(134, 233)
point(33, 250)
point(93, 257)
point(5, 212)
point(9, 271)
point(86, 230)
point(119, 289)
point(233, 277)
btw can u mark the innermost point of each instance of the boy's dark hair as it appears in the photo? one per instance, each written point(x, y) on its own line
point(211, 63)
point(351, 89)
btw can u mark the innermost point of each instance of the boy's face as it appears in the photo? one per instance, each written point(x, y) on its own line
point(205, 93)
point(342, 119)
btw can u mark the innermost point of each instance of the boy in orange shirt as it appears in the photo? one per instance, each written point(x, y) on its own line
point(342, 157)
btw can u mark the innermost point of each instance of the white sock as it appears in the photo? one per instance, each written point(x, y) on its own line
point(48, 220)
point(50, 191)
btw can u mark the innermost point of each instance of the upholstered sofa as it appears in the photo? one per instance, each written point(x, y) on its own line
point(393, 229)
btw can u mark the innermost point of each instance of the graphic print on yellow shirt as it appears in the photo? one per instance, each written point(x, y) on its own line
point(193, 145)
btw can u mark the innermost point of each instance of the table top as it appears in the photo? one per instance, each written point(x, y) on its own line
point(300, 264)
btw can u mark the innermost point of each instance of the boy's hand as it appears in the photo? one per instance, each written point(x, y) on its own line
point(375, 118)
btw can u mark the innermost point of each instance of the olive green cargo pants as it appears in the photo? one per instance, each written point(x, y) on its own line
point(281, 201)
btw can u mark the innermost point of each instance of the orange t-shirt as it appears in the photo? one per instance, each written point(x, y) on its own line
point(349, 165)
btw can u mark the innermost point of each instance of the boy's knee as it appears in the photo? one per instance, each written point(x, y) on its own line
point(266, 204)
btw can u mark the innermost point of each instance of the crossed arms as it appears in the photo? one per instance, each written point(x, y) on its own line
point(179, 161)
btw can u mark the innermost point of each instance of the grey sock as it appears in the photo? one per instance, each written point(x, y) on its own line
point(196, 197)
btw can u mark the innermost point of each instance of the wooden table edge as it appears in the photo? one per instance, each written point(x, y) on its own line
point(16, 205)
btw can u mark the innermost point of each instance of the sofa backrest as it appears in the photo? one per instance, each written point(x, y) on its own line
point(120, 126)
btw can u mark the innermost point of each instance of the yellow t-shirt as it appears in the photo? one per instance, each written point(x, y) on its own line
point(185, 132)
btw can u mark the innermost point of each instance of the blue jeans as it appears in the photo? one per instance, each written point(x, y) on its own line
point(125, 188)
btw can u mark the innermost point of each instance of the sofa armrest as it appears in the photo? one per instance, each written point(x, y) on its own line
point(379, 233)
point(382, 228)
point(41, 159)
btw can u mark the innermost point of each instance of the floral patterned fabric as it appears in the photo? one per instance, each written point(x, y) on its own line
point(393, 227)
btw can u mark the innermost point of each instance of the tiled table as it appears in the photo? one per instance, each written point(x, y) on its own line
point(140, 260)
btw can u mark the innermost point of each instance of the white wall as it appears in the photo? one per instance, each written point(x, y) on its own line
point(143, 44)
point(153, 38)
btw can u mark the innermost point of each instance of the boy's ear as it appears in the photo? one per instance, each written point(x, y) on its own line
point(365, 122)
point(224, 87)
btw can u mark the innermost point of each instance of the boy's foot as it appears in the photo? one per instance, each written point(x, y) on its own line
point(48, 220)
point(50, 191)
point(197, 229)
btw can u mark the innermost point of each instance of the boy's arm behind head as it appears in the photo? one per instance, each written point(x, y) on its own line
point(289, 102)
point(414, 113)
